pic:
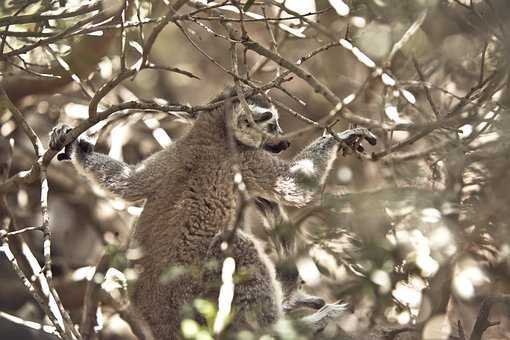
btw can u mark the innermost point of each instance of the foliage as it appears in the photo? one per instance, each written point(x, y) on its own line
point(414, 233)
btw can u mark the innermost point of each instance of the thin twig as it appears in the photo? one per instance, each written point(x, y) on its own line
point(427, 91)
point(92, 296)
point(39, 151)
point(169, 16)
point(38, 17)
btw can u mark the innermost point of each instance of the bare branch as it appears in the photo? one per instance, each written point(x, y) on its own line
point(38, 17)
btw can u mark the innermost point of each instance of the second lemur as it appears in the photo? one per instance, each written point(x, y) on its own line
point(191, 198)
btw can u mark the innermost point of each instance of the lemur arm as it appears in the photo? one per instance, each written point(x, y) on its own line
point(129, 182)
point(296, 182)
point(290, 183)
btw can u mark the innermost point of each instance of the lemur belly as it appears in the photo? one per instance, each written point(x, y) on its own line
point(184, 257)
point(175, 252)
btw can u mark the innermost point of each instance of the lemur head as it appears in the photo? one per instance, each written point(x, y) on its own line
point(262, 129)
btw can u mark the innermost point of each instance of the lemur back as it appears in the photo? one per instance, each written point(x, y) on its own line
point(191, 200)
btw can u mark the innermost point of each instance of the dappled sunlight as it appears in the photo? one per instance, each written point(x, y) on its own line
point(467, 277)
point(226, 295)
point(400, 211)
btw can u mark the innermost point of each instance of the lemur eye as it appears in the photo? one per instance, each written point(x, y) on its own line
point(272, 128)
point(263, 117)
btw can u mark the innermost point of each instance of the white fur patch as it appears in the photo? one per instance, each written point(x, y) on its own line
point(308, 270)
point(329, 164)
point(259, 109)
point(303, 166)
point(291, 192)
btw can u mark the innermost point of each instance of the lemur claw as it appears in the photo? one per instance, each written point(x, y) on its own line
point(352, 139)
point(57, 137)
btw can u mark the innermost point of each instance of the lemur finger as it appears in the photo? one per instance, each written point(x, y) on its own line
point(351, 135)
point(66, 155)
point(367, 135)
point(370, 137)
point(57, 136)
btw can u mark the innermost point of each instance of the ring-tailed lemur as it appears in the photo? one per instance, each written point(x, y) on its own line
point(191, 198)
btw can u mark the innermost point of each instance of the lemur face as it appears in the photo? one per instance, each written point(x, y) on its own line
point(265, 133)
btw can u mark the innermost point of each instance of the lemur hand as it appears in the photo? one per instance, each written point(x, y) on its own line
point(353, 138)
point(57, 137)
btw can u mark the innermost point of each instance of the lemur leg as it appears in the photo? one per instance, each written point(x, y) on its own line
point(269, 223)
point(295, 183)
point(126, 181)
point(257, 295)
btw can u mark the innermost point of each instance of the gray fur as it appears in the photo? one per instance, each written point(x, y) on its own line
point(190, 200)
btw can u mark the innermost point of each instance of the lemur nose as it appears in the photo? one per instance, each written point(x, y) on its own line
point(264, 116)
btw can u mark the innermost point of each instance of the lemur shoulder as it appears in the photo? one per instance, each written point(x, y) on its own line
point(191, 198)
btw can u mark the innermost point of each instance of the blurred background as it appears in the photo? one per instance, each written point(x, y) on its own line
point(415, 235)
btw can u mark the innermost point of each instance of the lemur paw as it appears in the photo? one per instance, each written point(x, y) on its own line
point(328, 313)
point(359, 133)
point(57, 138)
point(353, 138)
point(301, 299)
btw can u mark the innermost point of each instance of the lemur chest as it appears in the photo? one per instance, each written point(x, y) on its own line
point(205, 204)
